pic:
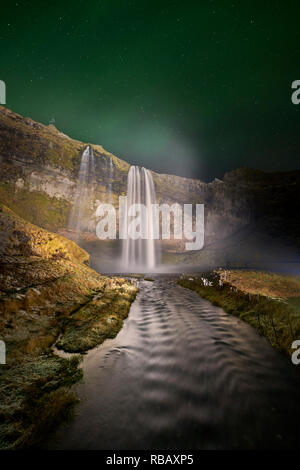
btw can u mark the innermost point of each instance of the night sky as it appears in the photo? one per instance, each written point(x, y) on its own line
point(193, 88)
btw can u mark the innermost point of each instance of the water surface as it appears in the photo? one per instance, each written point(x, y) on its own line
point(183, 374)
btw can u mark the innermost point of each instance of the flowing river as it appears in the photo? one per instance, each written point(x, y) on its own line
point(183, 374)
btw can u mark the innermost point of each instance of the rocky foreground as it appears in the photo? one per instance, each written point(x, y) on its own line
point(48, 295)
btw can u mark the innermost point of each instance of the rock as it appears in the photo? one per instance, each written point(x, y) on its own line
point(249, 211)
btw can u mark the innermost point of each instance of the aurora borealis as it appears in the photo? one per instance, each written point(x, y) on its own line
point(191, 88)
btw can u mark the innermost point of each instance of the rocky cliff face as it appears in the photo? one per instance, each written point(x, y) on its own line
point(39, 170)
point(49, 298)
point(39, 179)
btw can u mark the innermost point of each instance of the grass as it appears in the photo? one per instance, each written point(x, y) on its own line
point(269, 302)
point(264, 283)
point(34, 397)
point(47, 292)
point(100, 318)
point(50, 212)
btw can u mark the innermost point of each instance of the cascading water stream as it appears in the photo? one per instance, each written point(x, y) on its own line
point(78, 218)
point(140, 254)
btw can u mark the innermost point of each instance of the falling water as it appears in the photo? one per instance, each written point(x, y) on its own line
point(140, 254)
point(91, 175)
point(78, 220)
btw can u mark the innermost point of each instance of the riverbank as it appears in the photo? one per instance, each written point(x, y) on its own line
point(48, 296)
point(182, 373)
point(269, 302)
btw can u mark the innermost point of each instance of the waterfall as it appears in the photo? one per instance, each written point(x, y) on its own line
point(78, 217)
point(140, 254)
point(91, 176)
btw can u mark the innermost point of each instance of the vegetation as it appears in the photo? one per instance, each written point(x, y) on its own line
point(34, 396)
point(269, 302)
point(51, 213)
point(32, 141)
point(39, 167)
point(98, 319)
point(48, 294)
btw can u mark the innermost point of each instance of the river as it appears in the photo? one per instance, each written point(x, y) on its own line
point(183, 374)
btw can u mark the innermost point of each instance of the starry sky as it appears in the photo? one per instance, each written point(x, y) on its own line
point(194, 88)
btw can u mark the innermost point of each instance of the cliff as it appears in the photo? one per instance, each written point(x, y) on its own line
point(39, 170)
point(248, 208)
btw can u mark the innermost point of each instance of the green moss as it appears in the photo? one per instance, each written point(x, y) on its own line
point(37, 241)
point(277, 320)
point(36, 207)
point(44, 144)
point(34, 396)
point(46, 292)
point(100, 318)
